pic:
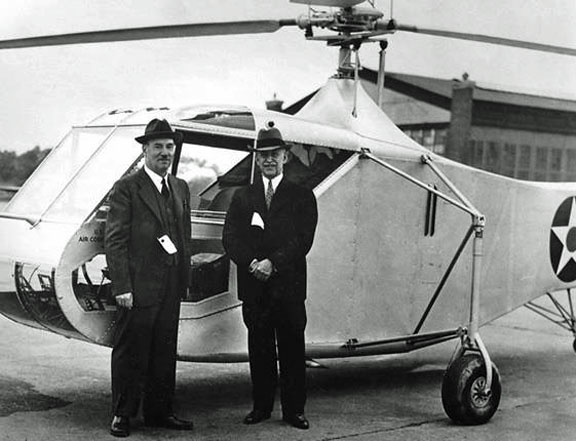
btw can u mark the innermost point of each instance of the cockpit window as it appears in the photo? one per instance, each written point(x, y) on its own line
point(238, 118)
point(202, 166)
point(307, 165)
point(78, 174)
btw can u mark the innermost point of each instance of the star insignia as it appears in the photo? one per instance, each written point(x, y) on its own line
point(566, 234)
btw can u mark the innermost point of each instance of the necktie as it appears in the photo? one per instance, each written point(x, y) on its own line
point(165, 192)
point(269, 193)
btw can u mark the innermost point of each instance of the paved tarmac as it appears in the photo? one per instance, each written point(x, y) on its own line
point(53, 389)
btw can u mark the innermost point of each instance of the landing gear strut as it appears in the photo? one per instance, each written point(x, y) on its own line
point(470, 392)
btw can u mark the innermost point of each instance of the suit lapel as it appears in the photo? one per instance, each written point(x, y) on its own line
point(257, 198)
point(177, 195)
point(148, 194)
point(280, 195)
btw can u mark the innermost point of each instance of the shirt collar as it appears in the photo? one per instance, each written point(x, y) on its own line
point(156, 178)
point(275, 181)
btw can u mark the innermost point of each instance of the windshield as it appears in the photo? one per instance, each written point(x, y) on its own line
point(78, 173)
point(201, 167)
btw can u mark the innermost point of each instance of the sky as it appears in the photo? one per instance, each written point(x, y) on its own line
point(45, 91)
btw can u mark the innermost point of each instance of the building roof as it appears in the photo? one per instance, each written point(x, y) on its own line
point(417, 100)
point(443, 88)
point(405, 110)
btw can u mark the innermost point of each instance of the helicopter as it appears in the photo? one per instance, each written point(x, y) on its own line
point(425, 250)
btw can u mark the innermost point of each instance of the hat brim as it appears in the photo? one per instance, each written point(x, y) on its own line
point(176, 136)
point(269, 148)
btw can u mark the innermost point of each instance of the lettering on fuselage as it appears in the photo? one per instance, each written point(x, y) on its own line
point(96, 237)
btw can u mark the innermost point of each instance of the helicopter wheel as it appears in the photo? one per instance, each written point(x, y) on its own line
point(574, 345)
point(463, 396)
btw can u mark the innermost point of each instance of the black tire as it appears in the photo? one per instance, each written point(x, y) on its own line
point(461, 391)
point(574, 345)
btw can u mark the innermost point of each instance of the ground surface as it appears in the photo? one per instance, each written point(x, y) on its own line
point(57, 389)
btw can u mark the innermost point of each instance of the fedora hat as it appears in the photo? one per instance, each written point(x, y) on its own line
point(269, 138)
point(159, 128)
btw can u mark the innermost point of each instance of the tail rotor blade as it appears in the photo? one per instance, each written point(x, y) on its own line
point(488, 39)
point(150, 33)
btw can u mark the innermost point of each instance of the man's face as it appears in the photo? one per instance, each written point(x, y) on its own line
point(158, 155)
point(271, 163)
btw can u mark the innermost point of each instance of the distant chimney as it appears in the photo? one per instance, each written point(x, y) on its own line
point(461, 110)
point(274, 104)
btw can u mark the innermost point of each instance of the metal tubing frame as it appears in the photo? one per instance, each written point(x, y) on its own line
point(356, 82)
point(444, 279)
point(478, 223)
point(472, 339)
point(365, 153)
point(32, 220)
point(426, 159)
point(487, 361)
point(439, 336)
point(381, 75)
point(566, 318)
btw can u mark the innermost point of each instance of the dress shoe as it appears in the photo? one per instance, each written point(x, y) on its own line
point(297, 420)
point(169, 422)
point(120, 426)
point(256, 416)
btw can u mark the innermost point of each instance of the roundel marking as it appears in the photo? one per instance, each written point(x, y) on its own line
point(563, 241)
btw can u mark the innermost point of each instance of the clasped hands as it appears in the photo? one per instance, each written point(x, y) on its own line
point(262, 269)
point(125, 300)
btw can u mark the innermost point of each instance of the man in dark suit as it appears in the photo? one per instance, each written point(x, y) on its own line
point(147, 251)
point(268, 231)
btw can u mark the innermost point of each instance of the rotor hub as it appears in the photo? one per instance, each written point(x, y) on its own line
point(351, 20)
point(348, 22)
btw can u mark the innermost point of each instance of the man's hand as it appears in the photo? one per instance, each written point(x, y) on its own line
point(125, 300)
point(253, 266)
point(263, 270)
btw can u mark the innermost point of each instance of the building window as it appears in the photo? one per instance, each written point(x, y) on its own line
point(477, 148)
point(432, 139)
point(555, 166)
point(416, 135)
point(541, 173)
point(493, 157)
point(571, 165)
point(428, 138)
point(509, 159)
point(524, 161)
point(440, 141)
point(555, 160)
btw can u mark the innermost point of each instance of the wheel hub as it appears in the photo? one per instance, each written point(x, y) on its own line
point(479, 397)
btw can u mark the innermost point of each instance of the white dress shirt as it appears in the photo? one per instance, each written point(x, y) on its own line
point(157, 179)
point(275, 182)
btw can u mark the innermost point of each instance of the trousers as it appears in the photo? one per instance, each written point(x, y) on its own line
point(144, 355)
point(274, 325)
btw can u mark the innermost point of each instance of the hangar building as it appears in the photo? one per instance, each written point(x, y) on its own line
point(514, 134)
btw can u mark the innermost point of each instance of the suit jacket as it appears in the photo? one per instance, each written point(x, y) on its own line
point(136, 261)
point(286, 238)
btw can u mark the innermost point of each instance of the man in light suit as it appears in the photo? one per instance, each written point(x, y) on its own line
point(147, 251)
point(269, 229)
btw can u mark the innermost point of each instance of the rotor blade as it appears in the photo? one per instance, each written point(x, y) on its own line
point(488, 39)
point(9, 188)
point(153, 32)
point(332, 3)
